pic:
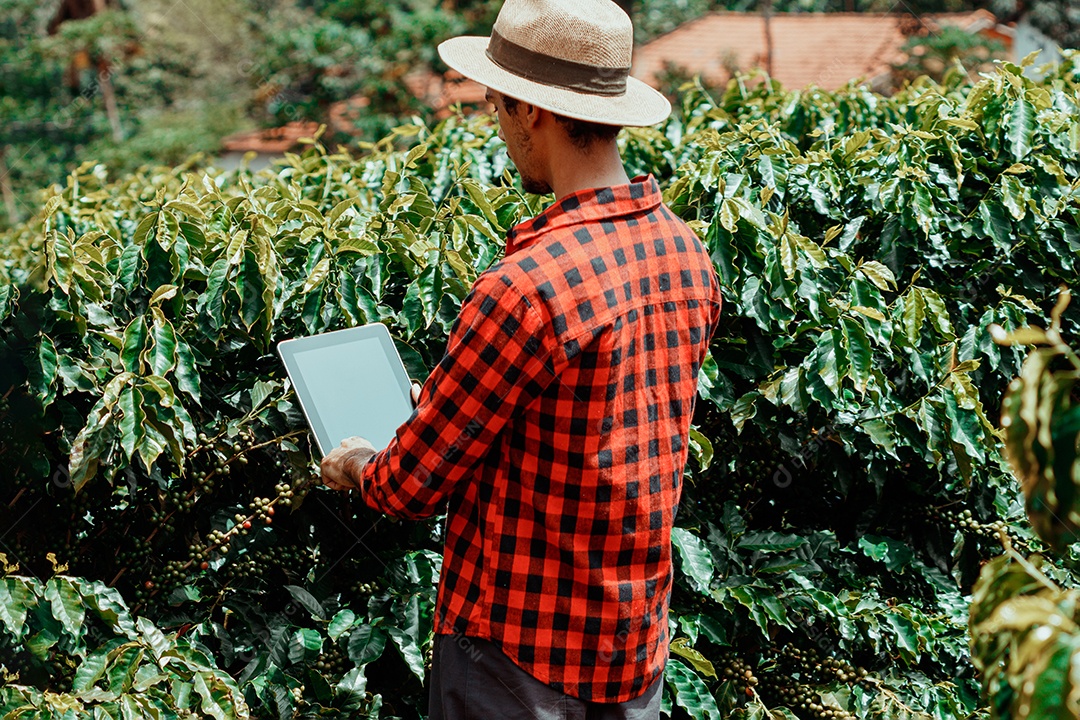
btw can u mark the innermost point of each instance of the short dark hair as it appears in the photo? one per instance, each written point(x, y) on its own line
point(582, 133)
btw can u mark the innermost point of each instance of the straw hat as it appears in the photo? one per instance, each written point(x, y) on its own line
point(571, 57)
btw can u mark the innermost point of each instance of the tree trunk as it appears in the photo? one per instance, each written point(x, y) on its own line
point(109, 96)
point(766, 16)
point(10, 204)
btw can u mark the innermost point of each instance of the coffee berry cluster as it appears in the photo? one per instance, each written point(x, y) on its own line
point(263, 509)
point(732, 668)
point(967, 523)
point(798, 671)
point(332, 662)
point(805, 702)
point(809, 665)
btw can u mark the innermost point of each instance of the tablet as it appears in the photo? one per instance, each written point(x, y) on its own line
point(349, 382)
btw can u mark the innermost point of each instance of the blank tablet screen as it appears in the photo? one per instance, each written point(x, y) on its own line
point(350, 388)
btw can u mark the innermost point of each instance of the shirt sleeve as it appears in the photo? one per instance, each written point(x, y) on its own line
point(496, 361)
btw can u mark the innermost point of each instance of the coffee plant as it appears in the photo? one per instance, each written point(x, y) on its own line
point(847, 479)
point(1024, 632)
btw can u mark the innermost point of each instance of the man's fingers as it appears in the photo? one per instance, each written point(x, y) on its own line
point(416, 388)
point(335, 469)
point(332, 475)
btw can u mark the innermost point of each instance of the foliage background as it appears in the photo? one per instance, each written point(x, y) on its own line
point(187, 74)
point(847, 481)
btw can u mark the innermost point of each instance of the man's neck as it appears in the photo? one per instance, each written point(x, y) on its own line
point(573, 170)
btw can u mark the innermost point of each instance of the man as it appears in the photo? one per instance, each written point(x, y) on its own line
point(554, 430)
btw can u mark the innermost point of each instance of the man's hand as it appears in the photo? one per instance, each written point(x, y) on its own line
point(341, 468)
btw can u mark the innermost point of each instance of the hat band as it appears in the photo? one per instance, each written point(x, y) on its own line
point(556, 72)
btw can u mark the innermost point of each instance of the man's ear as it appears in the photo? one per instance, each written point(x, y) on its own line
point(532, 115)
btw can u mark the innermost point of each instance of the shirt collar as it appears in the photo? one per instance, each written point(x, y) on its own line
point(640, 196)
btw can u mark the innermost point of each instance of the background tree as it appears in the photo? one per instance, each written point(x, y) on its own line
point(947, 48)
point(1057, 19)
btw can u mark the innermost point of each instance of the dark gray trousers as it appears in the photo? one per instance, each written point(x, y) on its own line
point(473, 679)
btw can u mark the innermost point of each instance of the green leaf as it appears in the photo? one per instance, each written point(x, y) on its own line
point(937, 313)
point(682, 648)
point(770, 542)
point(896, 555)
point(479, 198)
point(132, 421)
point(996, 224)
point(134, 343)
point(43, 379)
point(307, 601)
point(163, 354)
point(217, 701)
point(860, 355)
point(409, 650)
point(696, 561)
point(701, 448)
point(305, 645)
point(366, 643)
point(965, 427)
point(153, 638)
point(729, 216)
point(91, 669)
point(691, 693)
point(1015, 196)
point(831, 359)
point(131, 263)
point(143, 229)
point(59, 255)
point(186, 373)
point(412, 311)
point(745, 409)
point(813, 251)
point(66, 605)
point(914, 315)
point(340, 624)
point(214, 296)
point(16, 595)
point(249, 287)
point(882, 433)
point(406, 635)
point(87, 447)
point(878, 274)
point(317, 277)
point(430, 287)
point(163, 293)
point(351, 689)
point(872, 313)
point(723, 252)
point(1020, 131)
point(8, 297)
point(907, 635)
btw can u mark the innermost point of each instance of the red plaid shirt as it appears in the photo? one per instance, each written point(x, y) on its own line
point(554, 433)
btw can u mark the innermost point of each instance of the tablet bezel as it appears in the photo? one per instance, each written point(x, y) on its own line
point(287, 350)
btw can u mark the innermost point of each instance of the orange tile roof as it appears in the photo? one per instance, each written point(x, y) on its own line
point(344, 114)
point(440, 93)
point(457, 88)
point(823, 49)
point(271, 140)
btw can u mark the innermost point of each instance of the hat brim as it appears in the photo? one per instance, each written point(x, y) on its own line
point(640, 106)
